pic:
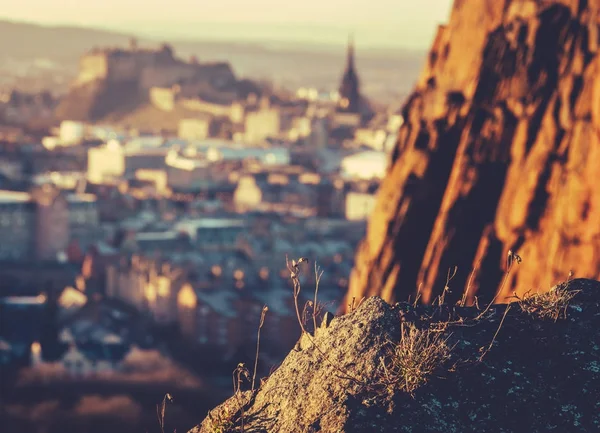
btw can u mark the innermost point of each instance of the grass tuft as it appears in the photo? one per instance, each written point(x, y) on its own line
point(549, 305)
point(409, 363)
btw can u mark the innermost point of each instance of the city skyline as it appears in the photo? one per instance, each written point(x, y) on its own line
point(377, 23)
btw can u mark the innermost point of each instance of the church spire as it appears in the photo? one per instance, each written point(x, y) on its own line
point(350, 55)
point(349, 88)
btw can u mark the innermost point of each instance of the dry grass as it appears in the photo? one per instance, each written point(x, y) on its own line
point(441, 300)
point(240, 372)
point(549, 305)
point(316, 308)
point(295, 276)
point(260, 325)
point(407, 365)
point(221, 420)
point(511, 259)
point(160, 410)
point(353, 305)
point(418, 355)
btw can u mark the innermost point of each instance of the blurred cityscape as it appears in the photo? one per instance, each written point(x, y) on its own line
point(147, 206)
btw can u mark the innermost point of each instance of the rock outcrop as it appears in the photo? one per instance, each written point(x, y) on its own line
point(500, 151)
point(507, 371)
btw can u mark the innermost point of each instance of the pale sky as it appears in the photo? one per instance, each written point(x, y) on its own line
point(402, 23)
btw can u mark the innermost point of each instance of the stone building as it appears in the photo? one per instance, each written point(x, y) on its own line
point(41, 223)
point(227, 318)
point(112, 161)
point(51, 222)
point(148, 67)
point(195, 128)
point(17, 222)
point(151, 286)
point(262, 124)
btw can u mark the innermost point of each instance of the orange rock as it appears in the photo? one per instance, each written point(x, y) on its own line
point(500, 151)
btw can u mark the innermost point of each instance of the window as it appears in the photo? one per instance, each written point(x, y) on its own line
point(19, 219)
point(222, 332)
point(203, 324)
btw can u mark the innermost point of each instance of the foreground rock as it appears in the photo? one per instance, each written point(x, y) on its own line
point(499, 151)
point(539, 375)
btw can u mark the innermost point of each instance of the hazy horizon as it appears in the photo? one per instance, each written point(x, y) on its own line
point(374, 23)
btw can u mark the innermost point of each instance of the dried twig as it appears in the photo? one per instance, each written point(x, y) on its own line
point(442, 297)
point(260, 325)
point(294, 273)
point(293, 268)
point(463, 301)
point(510, 259)
point(239, 372)
point(418, 295)
point(161, 409)
point(318, 275)
point(485, 352)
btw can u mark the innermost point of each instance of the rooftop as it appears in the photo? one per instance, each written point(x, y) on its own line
point(81, 198)
point(14, 196)
point(23, 300)
point(277, 300)
point(219, 301)
point(211, 223)
point(157, 236)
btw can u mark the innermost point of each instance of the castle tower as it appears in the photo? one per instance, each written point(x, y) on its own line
point(349, 88)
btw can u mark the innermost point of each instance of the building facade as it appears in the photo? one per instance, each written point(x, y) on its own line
point(41, 223)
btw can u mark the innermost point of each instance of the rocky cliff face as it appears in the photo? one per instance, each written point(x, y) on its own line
point(500, 151)
point(504, 369)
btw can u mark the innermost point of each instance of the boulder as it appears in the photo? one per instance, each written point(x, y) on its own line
point(531, 366)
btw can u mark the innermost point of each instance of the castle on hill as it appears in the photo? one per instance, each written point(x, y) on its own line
point(149, 68)
point(116, 79)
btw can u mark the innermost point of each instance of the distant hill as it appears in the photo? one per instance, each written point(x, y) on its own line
point(24, 41)
point(385, 74)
